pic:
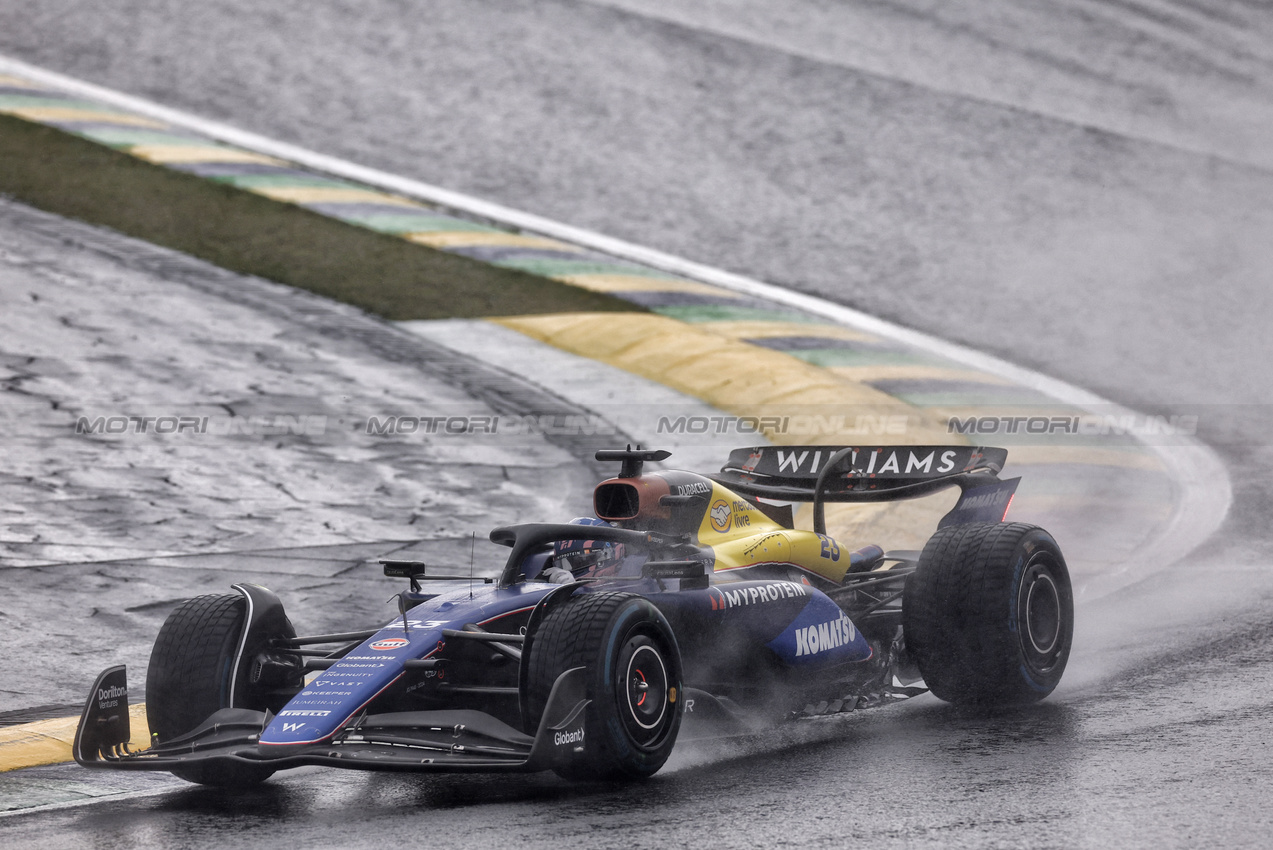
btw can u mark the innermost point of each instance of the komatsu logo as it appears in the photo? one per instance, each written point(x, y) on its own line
point(987, 500)
point(825, 636)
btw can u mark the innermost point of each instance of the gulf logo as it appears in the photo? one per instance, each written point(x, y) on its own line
point(389, 643)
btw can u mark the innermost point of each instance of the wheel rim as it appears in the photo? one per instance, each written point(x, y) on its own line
point(644, 691)
point(1041, 616)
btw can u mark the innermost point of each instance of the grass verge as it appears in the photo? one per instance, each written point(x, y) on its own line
point(237, 230)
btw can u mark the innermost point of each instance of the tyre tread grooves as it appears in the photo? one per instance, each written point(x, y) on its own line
point(953, 610)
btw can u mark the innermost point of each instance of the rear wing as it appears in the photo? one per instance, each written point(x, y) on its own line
point(821, 474)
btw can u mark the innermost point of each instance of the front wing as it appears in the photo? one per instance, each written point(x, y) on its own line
point(459, 740)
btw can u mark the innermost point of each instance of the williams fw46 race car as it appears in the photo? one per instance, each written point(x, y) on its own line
point(689, 607)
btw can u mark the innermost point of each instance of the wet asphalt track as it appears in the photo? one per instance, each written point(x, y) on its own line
point(1091, 211)
point(1141, 762)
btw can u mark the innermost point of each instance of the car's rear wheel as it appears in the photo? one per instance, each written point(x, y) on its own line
point(633, 681)
point(988, 615)
point(192, 674)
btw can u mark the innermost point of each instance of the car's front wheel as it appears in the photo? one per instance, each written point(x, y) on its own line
point(633, 681)
point(193, 673)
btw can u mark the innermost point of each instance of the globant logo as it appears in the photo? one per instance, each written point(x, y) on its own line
point(562, 739)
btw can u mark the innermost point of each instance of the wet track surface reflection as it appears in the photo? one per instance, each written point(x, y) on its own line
point(1129, 761)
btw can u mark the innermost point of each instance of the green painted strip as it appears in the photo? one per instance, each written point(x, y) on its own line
point(1008, 395)
point(24, 101)
point(265, 181)
point(556, 268)
point(250, 233)
point(126, 137)
point(831, 357)
point(1104, 442)
point(1062, 441)
point(389, 223)
point(699, 313)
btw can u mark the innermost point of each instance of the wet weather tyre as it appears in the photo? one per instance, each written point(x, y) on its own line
point(192, 674)
point(633, 681)
point(988, 615)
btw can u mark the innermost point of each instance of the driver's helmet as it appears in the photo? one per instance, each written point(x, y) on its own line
point(587, 557)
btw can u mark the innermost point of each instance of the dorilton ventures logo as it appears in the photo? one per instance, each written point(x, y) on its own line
point(110, 697)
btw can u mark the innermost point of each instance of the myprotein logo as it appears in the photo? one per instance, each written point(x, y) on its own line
point(565, 739)
point(824, 637)
point(723, 598)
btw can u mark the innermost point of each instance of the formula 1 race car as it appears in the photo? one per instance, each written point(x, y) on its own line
point(689, 606)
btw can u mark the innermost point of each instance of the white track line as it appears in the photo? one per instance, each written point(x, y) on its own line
point(1204, 492)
